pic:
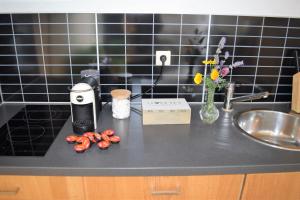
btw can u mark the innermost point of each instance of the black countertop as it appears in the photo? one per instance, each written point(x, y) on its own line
point(193, 149)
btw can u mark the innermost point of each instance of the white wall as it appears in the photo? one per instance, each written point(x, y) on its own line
point(280, 8)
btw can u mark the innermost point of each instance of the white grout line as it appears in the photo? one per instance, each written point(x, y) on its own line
point(1, 95)
point(258, 55)
point(43, 58)
point(179, 58)
point(97, 42)
point(69, 48)
point(234, 45)
point(206, 58)
point(17, 58)
point(153, 54)
point(282, 59)
point(125, 49)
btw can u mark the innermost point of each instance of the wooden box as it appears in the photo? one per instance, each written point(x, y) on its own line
point(296, 93)
point(166, 111)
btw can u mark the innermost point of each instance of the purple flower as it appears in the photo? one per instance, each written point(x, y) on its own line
point(226, 55)
point(222, 43)
point(237, 64)
point(224, 71)
point(222, 62)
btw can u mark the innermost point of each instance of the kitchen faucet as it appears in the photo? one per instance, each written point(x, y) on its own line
point(229, 97)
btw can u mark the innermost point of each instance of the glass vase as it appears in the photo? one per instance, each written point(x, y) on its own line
point(209, 113)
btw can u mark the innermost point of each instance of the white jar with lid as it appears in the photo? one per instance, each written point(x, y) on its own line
point(120, 103)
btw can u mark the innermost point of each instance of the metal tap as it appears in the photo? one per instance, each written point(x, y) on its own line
point(229, 97)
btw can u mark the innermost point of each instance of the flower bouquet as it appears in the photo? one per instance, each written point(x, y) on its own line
point(215, 79)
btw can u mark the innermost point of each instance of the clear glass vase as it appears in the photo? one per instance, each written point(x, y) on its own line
point(209, 113)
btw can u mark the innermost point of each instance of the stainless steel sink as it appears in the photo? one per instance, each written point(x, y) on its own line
point(272, 128)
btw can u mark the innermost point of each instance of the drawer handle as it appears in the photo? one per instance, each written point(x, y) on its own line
point(9, 192)
point(166, 192)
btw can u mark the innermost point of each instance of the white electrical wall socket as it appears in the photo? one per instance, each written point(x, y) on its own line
point(161, 53)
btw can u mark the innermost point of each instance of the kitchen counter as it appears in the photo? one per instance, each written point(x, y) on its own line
point(193, 149)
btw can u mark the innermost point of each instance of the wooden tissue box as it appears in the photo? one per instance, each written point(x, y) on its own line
point(166, 111)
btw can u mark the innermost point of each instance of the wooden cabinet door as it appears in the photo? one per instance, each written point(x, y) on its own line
point(41, 188)
point(273, 186)
point(213, 187)
point(164, 188)
point(115, 188)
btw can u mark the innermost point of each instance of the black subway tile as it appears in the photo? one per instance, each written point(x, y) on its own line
point(274, 21)
point(5, 18)
point(167, 18)
point(252, 21)
point(6, 29)
point(53, 18)
point(110, 18)
point(294, 23)
point(12, 97)
point(35, 97)
point(222, 19)
point(249, 31)
point(195, 19)
point(81, 18)
point(139, 18)
point(167, 29)
point(25, 18)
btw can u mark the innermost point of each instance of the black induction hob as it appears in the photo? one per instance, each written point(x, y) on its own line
point(32, 130)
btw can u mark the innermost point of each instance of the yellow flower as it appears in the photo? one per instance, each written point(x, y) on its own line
point(209, 62)
point(214, 74)
point(198, 78)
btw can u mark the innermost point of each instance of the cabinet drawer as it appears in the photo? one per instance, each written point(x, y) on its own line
point(163, 188)
point(40, 187)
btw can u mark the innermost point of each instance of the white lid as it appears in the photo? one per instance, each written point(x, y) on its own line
point(80, 87)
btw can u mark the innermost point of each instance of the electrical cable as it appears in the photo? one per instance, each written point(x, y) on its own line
point(163, 59)
point(297, 60)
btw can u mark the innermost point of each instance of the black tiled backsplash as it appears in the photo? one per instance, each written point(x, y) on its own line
point(41, 55)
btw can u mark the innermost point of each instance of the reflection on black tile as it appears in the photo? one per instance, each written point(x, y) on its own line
point(294, 23)
point(27, 39)
point(139, 49)
point(81, 18)
point(110, 18)
point(5, 29)
point(249, 31)
point(35, 97)
point(54, 28)
point(84, 59)
point(13, 79)
point(253, 21)
point(25, 18)
point(166, 40)
point(243, 79)
point(268, 71)
point(138, 29)
point(5, 50)
point(32, 69)
point(53, 18)
point(139, 18)
point(277, 42)
point(222, 19)
point(167, 29)
point(57, 60)
point(59, 88)
point(139, 60)
point(241, 51)
point(63, 79)
point(59, 97)
point(274, 21)
point(86, 39)
point(139, 39)
point(30, 60)
point(222, 30)
point(5, 18)
point(167, 18)
point(8, 60)
point(138, 69)
point(294, 32)
point(12, 97)
point(33, 79)
point(34, 89)
point(195, 19)
point(27, 29)
point(195, 29)
point(111, 39)
point(111, 28)
point(8, 70)
point(29, 50)
point(111, 49)
point(266, 80)
point(6, 39)
point(82, 28)
point(56, 49)
point(58, 69)
point(11, 89)
point(271, 51)
point(247, 41)
point(243, 89)
point(116, 79)
point(280, 32)
point(269, 62)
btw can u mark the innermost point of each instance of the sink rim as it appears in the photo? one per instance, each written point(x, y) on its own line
point(257, 139)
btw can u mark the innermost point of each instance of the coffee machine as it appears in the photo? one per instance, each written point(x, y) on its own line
point(85, 102)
